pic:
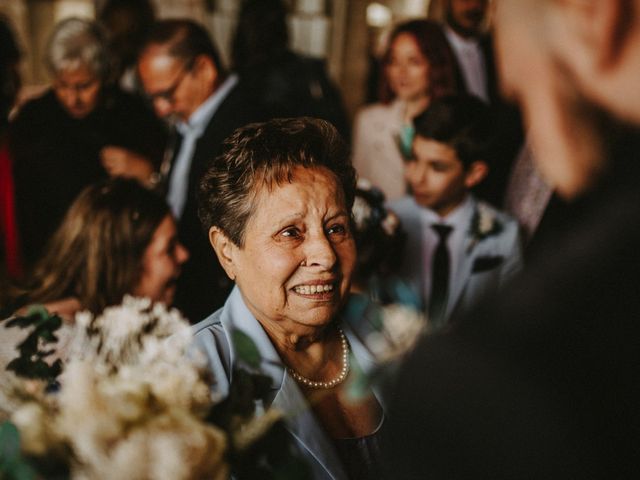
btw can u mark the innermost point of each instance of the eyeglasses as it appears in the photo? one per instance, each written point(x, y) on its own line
point(168, 94)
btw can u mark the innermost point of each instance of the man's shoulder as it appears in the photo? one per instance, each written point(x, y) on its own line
point(405, 202)
point(500, 222)
point(236, 110)
point(499, 214)
point(405, 207)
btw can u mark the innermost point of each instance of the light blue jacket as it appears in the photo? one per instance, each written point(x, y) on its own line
point(487, 264)
point(213, 338)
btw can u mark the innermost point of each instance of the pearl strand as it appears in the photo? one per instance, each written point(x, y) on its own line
point(331, 383)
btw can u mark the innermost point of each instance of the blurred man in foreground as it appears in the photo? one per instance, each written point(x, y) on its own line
point(544, 383)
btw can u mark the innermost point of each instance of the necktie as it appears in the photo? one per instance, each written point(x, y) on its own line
point(439, 276)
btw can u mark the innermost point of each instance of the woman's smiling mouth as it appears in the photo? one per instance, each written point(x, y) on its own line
point(313, 289)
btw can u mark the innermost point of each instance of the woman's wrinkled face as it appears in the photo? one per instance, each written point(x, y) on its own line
point(408, 69)
point(295, 267)
point(78, 90)
point(161, 264)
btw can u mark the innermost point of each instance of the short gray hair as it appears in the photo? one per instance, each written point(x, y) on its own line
point(266, 154)
point(77, 42)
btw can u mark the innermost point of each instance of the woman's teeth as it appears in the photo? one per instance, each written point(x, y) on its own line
point(311, 289)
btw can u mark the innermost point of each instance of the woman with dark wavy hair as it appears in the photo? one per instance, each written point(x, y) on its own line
point(417, 67)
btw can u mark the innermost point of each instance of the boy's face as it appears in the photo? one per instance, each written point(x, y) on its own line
point(436, 175)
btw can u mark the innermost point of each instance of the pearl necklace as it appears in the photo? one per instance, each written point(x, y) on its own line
point(331, 383)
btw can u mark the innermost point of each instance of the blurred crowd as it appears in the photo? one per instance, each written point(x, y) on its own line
point(495, 188)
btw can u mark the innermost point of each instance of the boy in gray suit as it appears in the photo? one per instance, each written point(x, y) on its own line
point(459, 249)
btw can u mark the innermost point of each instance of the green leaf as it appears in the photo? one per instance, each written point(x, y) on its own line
point(9, 441)
point(37, 311)
point(246, 348)
point(12, 465)
point(359, 385)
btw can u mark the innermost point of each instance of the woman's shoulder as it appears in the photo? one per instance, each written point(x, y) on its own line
point(212, 325)
point(42, 105)
point(375, 111)
point(212, 346)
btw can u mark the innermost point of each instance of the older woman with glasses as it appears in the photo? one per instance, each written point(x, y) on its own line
point(277, 206)
point(80, 131)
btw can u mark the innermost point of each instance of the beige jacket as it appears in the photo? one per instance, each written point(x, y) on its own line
point(375, 152)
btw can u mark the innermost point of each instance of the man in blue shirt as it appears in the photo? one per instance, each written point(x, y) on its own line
point(182, 75)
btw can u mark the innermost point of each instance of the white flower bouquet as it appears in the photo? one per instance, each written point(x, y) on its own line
point(131, 402)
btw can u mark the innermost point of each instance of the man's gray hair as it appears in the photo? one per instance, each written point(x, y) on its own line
point(76, 43)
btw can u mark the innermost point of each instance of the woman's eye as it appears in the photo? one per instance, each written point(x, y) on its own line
point(337, 229)
point(291, 233)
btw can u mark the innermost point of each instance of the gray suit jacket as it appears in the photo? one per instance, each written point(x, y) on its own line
point(212, 337)
point(486, 263)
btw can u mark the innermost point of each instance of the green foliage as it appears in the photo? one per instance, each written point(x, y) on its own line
point(31, 362)
point(246, 349)
point(272, 456)
point(12, 464)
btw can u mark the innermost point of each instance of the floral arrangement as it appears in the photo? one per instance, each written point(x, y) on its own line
point(388, 323)
point(369, 212)
point(131, 402)
point(400, 327)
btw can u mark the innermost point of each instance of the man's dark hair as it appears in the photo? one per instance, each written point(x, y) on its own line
point(463, 122)
point(185, 39)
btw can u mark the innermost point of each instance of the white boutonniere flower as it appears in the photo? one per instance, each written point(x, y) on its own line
point(484, 224)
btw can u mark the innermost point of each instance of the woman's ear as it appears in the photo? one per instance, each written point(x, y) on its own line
point(224, 249)
point(476, 172)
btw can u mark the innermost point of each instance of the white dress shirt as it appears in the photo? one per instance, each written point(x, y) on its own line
point(191, 131)
point(472, 62)
point(459, 220)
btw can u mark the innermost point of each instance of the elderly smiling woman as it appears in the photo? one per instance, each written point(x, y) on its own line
point(277, 208)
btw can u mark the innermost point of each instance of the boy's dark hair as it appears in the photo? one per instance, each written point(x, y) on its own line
point(464, 123)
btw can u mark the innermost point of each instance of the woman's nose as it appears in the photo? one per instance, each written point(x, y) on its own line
point(319, 252)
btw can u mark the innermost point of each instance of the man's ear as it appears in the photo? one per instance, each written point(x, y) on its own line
point(476, 172)
point(224, 249)
point(594, 30)
point(206, 69)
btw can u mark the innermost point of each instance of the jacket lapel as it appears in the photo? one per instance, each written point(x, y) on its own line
point(463, 275)
point(303, 426)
